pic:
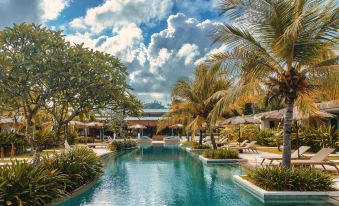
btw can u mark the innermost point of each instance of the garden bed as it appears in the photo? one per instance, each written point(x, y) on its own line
point(199, 151)
point(221, 161)
point(278, 196)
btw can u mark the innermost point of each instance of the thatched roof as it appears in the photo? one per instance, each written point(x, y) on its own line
point(297, 115)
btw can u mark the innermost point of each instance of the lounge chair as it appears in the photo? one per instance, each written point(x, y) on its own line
point(249, 147)
point(318, 159)
point(222, 142)
point(294, 155)
point(241, 144)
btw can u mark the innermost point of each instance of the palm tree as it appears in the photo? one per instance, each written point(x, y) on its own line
point(283, 48)
point(191, 99)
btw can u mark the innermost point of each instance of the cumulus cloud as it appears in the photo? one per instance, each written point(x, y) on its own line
point(171, 54)
point(52, 8)
point(119, 12)
point(37, 11)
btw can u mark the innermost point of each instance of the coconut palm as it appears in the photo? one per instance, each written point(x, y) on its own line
point(190, 103)
point(284, 48)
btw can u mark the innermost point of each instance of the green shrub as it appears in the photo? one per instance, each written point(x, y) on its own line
point(201, 146)
point(28, 184)
point(19, 141)
point(221, 154)
point(45, 138)
point(189, 143)
point(81, 165)
point(294, 179)
point(83, 139)
point(73, 136)
point(122, 145)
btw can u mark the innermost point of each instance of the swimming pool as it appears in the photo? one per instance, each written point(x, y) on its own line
point(165, 175)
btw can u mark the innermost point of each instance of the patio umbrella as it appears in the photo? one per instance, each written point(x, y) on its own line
point(138, 126)
point(239, 120)
point(175, 126)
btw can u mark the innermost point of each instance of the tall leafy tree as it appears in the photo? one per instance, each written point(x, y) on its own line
point(191, 100)
point(85, 81)
point(27, 53)
point(284, 49)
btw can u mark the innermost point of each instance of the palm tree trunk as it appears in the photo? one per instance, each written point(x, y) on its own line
point(200, 137)
point(214, 145)
point(286, 161)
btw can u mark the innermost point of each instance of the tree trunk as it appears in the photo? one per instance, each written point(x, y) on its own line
point(286, 161)
point(66, 132)
point(214, 145)
point(30, 137)
point(58, 128)
point(200, 137)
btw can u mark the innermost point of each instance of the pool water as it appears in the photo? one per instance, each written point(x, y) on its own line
point(165, 175)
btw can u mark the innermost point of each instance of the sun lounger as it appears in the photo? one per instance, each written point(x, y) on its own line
point(294, 155)
point(318, 159)
point(249, 147)
point(242, 144)
point(222, 142)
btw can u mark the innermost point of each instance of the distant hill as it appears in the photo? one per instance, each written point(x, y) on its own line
point(154, 105)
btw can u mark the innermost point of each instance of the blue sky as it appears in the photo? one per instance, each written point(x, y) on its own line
point(160, 41)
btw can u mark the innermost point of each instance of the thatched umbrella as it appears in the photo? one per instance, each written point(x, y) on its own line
point(176, 126)
point(78, 124)
point(297, 115)
point(239, 120)
point(138, 126)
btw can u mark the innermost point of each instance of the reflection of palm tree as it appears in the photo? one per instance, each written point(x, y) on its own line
point(285, 47)
point(190, 99)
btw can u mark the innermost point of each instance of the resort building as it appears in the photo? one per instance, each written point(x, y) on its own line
point(150, 120)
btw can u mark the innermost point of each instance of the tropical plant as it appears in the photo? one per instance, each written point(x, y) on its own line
point(44, 138)
point(80, 165)
point(23, 183)
point(221, 154)
point(191, 99)
point(294, 179)
point(19, 141)
point(283, 49)
point(201, 146)
point(122, 145)
point(73, 136)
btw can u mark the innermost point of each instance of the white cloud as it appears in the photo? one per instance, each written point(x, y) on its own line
point(188, 52)
point(171, 54)
point(52, 8)
point(37, 11)
point(119, 12)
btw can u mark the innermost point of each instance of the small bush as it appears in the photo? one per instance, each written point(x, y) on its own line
point(201, 146)
point(20, 142)
point(81, 165)
point(72, 136)
point(189, 144)
point(221, 154)
point(44, 138)
point(294, 179)
point(24, 183)
point(122, 145)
